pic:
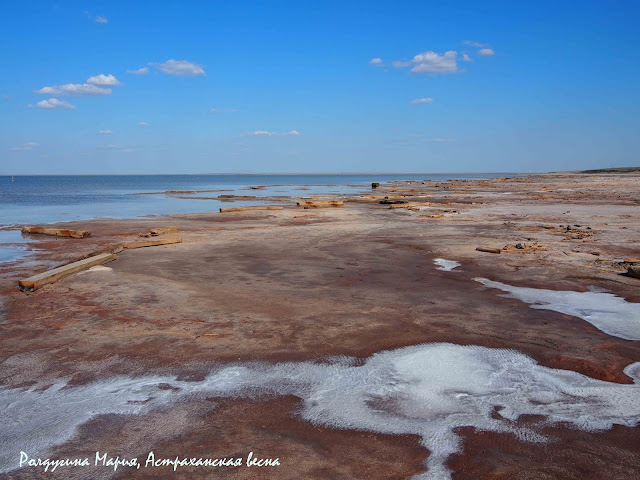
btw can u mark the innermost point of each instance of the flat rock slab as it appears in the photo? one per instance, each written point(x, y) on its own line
point(36, 281)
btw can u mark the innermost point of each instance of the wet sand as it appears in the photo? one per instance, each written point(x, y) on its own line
point(297, 285)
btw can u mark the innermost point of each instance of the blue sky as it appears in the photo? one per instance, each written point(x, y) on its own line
point(318, 86)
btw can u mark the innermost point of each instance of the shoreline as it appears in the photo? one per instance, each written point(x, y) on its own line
point(299, 285)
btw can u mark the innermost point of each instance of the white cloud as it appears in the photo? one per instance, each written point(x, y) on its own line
point(261, 133)
point(180, 68)
point(418, 101)
point(105, 132)
point(215, 110)
point(54, 103)
point(431, 62)
point(375, 61)
point(143, 124)
point(24, 147)
point(486, 52)
point(474, 44)
point(466, 58)
point(101, 19)
point(75, 90)
point(266, 133)
point(440, 140)
point(103, 79)
point(139, 71)
point(400, 64)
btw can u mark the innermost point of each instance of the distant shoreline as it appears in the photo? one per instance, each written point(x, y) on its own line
point(613, 170)
point(258, 174)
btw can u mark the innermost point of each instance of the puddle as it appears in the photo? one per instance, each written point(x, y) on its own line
point(428, 390)
point(12, 245)
point(445, 265)
point(605, 311)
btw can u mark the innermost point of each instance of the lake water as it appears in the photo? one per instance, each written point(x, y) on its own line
point(29, 200)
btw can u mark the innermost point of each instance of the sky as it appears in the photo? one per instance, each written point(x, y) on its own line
point(156, 87)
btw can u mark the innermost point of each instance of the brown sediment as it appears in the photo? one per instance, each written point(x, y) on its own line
point(342, 281)
point(569, 454)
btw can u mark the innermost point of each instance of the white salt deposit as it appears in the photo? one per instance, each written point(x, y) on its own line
point(428, 390)
point(605, 311)
point(97, 268)
point(445, 265)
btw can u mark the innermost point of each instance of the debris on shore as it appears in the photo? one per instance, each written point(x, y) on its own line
point(36, 281)
point(329, 204)
point(155, 232)
point(57, 232)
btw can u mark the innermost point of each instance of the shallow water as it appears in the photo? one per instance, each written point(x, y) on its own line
point(50, 199)
point(428, 390)
point(605, 311)
point(13, 245)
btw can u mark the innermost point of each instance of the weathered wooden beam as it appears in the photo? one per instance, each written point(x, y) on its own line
point(58, 232)
point(152, 243)
point(257, 207)
point(489, 250)
point(36, 281)
point(332, 203)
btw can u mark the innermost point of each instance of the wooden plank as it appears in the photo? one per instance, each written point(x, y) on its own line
point(332, 203)
point(58, 232)
point(489, 250)
point(154, 232)
point(257, 207)
point(36, 281)
point(152, 243)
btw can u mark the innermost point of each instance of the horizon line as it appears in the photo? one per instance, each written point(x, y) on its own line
point(253, 173)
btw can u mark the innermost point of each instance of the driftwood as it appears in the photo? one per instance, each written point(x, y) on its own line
point(154, 232)
point(36, 281)
point(57, 232)
point(152, 243)
point(332, 203)
point(244, 209)
point(411, 205)
point(489, 250)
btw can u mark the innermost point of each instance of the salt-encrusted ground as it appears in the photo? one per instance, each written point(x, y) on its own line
point(293, 286)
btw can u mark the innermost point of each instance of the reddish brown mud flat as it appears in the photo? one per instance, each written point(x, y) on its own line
point(290, 286)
